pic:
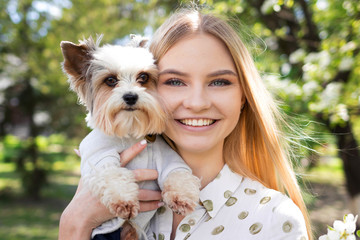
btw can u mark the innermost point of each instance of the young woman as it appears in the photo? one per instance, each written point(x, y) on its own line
point(225, 126)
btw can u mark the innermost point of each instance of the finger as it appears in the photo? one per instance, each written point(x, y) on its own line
point(149, 195)
point(130, 153)
point(145, 174)
point(148, 206)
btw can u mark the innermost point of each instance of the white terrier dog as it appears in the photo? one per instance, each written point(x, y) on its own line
point(117, 84)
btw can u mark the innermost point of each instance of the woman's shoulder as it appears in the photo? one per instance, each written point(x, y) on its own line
point(257, 190)
point(274, 211)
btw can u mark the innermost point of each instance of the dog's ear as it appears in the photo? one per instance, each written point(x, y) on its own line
point(76, 58)
point(138, 41)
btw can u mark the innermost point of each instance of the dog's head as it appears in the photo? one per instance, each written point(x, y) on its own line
point(117, 84)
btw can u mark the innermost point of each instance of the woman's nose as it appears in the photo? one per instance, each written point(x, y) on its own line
point(197, 99)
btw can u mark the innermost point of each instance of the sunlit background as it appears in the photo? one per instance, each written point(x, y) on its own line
point(306, 50)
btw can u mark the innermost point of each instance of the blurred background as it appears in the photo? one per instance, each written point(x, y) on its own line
point(306, 50)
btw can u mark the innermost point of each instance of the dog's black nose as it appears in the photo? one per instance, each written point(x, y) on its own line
point(130, 98)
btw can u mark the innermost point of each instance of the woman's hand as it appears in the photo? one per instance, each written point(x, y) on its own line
point(86, 212)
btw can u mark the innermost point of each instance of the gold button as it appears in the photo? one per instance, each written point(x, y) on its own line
point(287, 227)
point(227, 194)
point(250, 191)
point(161, 210)
point(231, 201)
point(191, 222)
point(255, 228)
point(208, 204)
point(185, 227)
point(217, 230)
point(265, 200)
point(161, 236)
point(243, 215)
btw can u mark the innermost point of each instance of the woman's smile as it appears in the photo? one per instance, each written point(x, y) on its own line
point(197, 122)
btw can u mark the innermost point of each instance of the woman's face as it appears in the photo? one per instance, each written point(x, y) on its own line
point(199, 85)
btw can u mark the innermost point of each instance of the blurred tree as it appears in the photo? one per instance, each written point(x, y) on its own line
point(315, 46)
point(34, 95)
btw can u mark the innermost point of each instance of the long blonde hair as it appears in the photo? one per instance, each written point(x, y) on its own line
point(256, 148)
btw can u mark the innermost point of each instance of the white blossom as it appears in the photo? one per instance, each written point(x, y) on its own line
point(297, 56)
point(269, 6)
point(342, 230)
point(285, 68)
point(340, 114)
point(348, 47)
point(328, 98)
point(277, 85)
point(346, 64)
point(310, 88)
point(41, 118)
point(322, 59)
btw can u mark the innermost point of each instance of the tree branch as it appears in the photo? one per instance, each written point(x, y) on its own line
point(312, 34)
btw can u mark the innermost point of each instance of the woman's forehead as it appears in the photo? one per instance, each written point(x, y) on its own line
point(198, 51)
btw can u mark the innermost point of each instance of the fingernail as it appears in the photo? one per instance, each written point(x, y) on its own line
point(160, 204)
point(143, 142)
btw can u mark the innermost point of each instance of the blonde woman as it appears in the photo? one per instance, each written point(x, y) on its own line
point(225, 126)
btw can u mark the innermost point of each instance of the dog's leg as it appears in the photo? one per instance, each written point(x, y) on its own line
point(117, 190)
point(181, 192)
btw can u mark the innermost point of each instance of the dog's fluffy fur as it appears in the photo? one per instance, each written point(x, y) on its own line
point(117, 84)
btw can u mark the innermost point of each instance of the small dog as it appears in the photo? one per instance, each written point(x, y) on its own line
point(117, 84)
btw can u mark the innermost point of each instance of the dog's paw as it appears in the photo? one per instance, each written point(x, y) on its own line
point(181, 192)
point(179, 203)
point(125, 210)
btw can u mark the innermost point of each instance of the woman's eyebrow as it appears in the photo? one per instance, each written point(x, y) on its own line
point(174, 72)
point(222, 72)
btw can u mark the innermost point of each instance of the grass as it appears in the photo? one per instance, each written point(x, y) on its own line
point(21, 218)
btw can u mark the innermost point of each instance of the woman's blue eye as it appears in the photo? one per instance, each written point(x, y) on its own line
point(174, 82)
point(220, 82)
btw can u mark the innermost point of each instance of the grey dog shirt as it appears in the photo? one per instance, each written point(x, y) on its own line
point(98, 149)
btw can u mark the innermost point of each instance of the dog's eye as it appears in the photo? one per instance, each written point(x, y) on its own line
point(143, 78)
point(111, 81)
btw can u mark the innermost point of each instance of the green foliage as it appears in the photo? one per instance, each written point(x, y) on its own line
point(34, 174)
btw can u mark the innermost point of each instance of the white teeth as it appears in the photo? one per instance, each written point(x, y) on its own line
point(197, 122)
